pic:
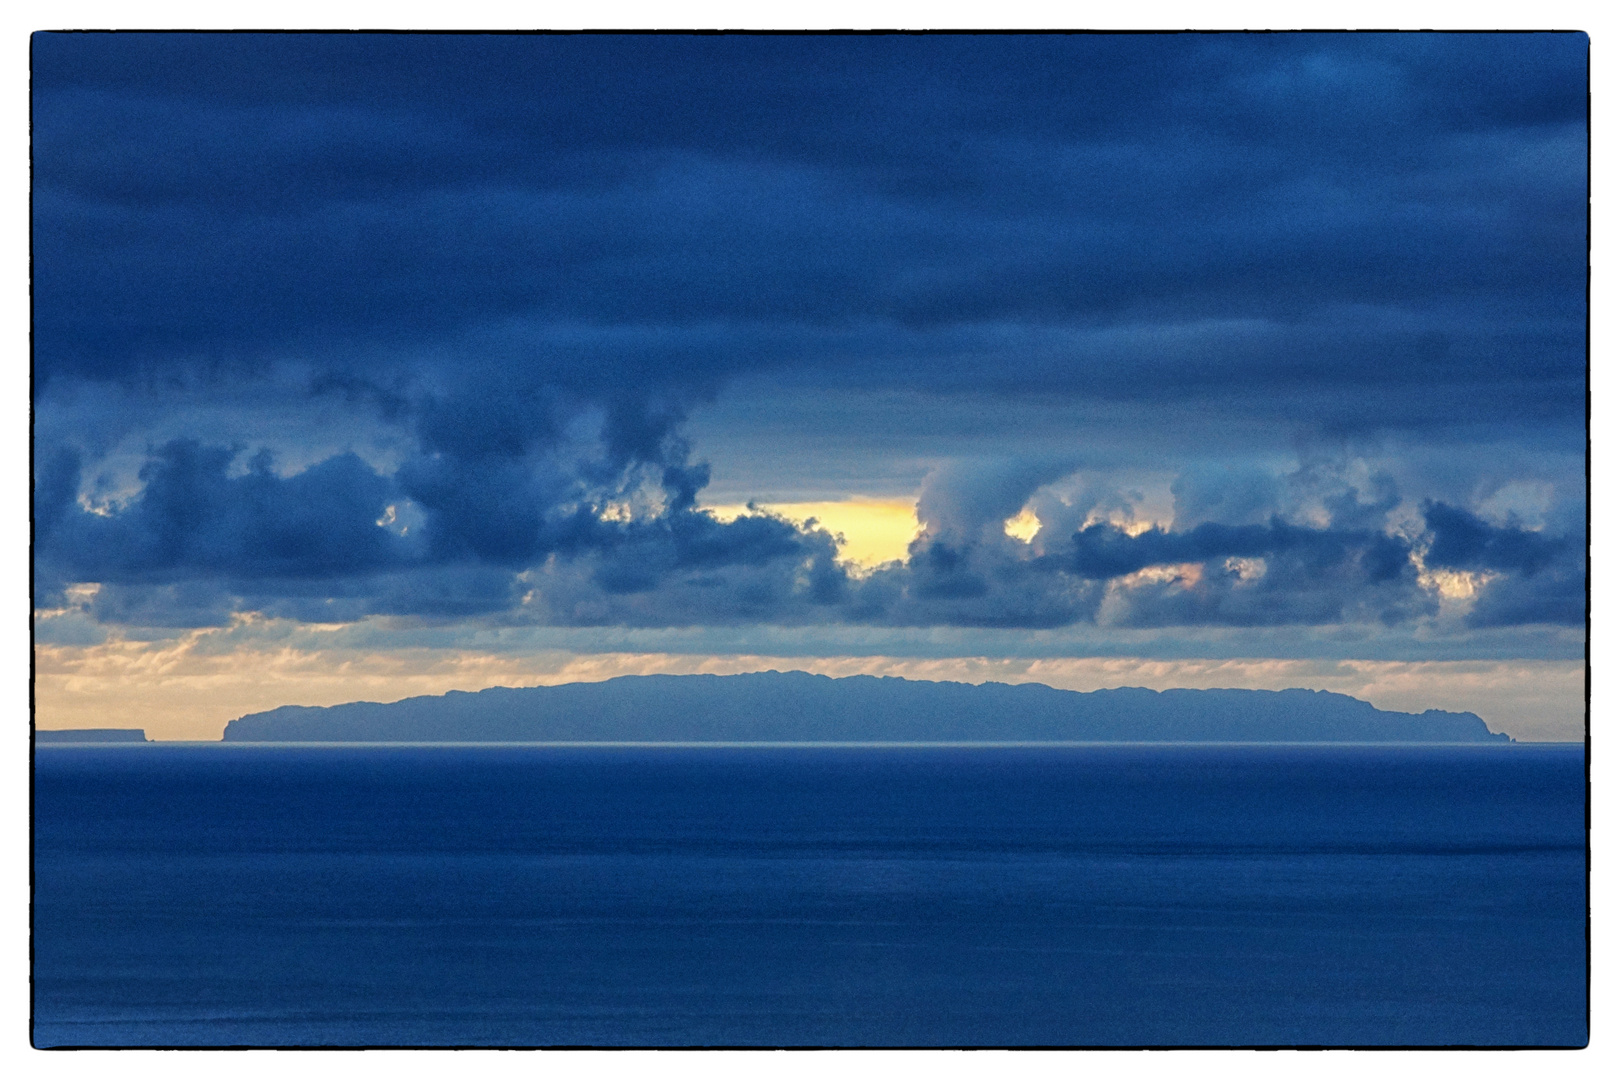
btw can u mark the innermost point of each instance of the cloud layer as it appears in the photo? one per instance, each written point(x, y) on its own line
point(198, 544)
point(448, 304)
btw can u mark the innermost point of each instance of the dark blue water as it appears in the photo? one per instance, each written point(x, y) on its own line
point(219, 895)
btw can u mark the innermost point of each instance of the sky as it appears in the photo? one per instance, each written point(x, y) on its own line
point(368, 366)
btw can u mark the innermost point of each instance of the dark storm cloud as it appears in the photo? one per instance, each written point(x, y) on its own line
point(193, 517)
point(1305, 575)
point(206, 537)
point(1464, 542)
point(533, 256)
point(1556, 597)
point(195, 514)
point(205, 198)
point(1536, 578)
point(1105, 551)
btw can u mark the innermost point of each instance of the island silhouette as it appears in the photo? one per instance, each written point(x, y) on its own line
point(796, 706)
point(90, 735)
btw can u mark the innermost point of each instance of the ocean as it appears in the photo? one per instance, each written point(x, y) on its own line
point(506, 895)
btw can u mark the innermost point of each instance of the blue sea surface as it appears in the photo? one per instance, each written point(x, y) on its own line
point(809, 896)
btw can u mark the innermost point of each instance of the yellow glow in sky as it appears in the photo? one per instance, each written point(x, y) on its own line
point(874, 531)
point(1022, 526)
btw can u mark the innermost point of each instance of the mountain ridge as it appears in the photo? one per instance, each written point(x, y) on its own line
point(797, 706)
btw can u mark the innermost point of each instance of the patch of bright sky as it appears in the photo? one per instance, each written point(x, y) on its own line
point(1022, 525)
point(870, 531)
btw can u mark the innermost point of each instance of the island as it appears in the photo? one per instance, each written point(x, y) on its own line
point(797, 707)
point(91, 735)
